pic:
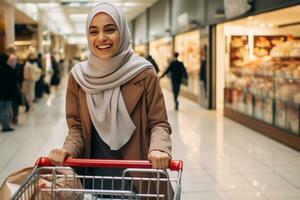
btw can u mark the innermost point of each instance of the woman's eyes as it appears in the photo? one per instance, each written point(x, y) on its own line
point(110, 30)
point(107, 30)
point(93, 32)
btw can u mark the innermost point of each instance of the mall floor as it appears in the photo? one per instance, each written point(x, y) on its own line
point(223, 160)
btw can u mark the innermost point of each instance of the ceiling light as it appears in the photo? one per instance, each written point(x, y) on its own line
point(262, 25)
point(48, 5)
point(77, 40)
point(78, 17)
point(131, 4)
point(270, 25)
point(74, 4)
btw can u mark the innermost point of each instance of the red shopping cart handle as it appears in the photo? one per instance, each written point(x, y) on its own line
point(175, 165)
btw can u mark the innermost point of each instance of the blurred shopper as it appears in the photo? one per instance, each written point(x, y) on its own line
point(178, 73)
point(32, 73)
point(152, 61)
point(8, 90)
point(115, 106)
point(55, 79)
point(202, 72)
point(40, 84)
point(12, 62)
point(20, 98)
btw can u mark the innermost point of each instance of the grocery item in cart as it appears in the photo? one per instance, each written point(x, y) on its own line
point(65, 178)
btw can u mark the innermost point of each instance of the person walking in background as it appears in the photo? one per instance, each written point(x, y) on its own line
point(8, 91)
point(202, 72)
point(178, 73)
point(32, 73)
point(152, 61)
point(55, 79)
point(40, 83)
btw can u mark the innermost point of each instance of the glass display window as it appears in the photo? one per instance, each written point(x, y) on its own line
point(161, 52)
point(293, 118)
point(261, 60)
point(140, 49)
point(188, 46)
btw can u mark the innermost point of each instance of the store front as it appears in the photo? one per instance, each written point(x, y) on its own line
point(161, 52)
point(258, 71)
point(188, 46)
point(141, 49)
point(2, 33)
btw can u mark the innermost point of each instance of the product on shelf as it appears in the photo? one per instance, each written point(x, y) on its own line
point(297, 98)
point(262, 41)
point(258, 109)
point(249, 104)
point(293, 118)
point(268, 111)
point(286, 91)
point(238, 50)
point(286, 49)
point(280, 117)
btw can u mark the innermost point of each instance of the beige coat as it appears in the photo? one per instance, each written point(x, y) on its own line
point(145, 103)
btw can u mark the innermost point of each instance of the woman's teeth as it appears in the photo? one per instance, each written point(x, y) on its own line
point(103, 46)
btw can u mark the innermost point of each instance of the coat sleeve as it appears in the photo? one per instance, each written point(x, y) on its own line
point(159, 126)
point(74, 140)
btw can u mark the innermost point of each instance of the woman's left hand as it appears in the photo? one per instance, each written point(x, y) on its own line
point(159, 159)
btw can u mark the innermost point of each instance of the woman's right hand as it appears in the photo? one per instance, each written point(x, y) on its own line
point(58, 156)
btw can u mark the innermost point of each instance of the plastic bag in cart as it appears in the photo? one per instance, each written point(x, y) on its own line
point(37, 191)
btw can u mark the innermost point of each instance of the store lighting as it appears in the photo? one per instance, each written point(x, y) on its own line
point(77, 40)
point(30, 9)
point(270, 25)
point(22, 43)
point(48, 5)
point(131, 4)
point(262, 25)
point(74, 4)
point(78, 17)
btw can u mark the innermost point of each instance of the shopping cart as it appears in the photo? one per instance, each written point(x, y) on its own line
point(138, 181)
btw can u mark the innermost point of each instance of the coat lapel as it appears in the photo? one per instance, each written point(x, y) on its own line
point(131, 94)
point(85, 111)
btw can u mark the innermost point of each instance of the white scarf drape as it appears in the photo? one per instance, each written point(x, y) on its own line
point(101, 81)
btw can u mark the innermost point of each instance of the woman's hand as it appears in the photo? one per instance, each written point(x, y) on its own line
point(58, 156)
point(159, 159)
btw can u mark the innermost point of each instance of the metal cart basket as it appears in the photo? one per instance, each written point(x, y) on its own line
point(138, 181)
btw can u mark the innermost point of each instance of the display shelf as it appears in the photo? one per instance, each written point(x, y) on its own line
point(281, 135)
point(276, 112)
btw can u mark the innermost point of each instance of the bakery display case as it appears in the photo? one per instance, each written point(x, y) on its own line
point(267, 88)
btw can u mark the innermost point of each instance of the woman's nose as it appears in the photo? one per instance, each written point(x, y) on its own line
point(102, 37)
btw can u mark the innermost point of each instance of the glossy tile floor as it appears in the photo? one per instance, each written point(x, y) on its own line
point(223, 160)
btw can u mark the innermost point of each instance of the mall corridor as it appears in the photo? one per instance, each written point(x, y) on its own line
point(229, 71)
point(223, 160)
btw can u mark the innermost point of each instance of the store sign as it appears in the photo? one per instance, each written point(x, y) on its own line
point(183, 20)
point(235, 8)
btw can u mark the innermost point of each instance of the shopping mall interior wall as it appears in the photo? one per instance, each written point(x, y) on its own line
point(195, 10)
point(159, 20)
point(140, 29)
point(215, 7)
point(260, 6)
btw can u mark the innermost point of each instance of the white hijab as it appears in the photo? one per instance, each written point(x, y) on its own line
point(101, 81)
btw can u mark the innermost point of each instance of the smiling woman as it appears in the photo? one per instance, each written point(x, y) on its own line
point(115, 107)
point(103, 36)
